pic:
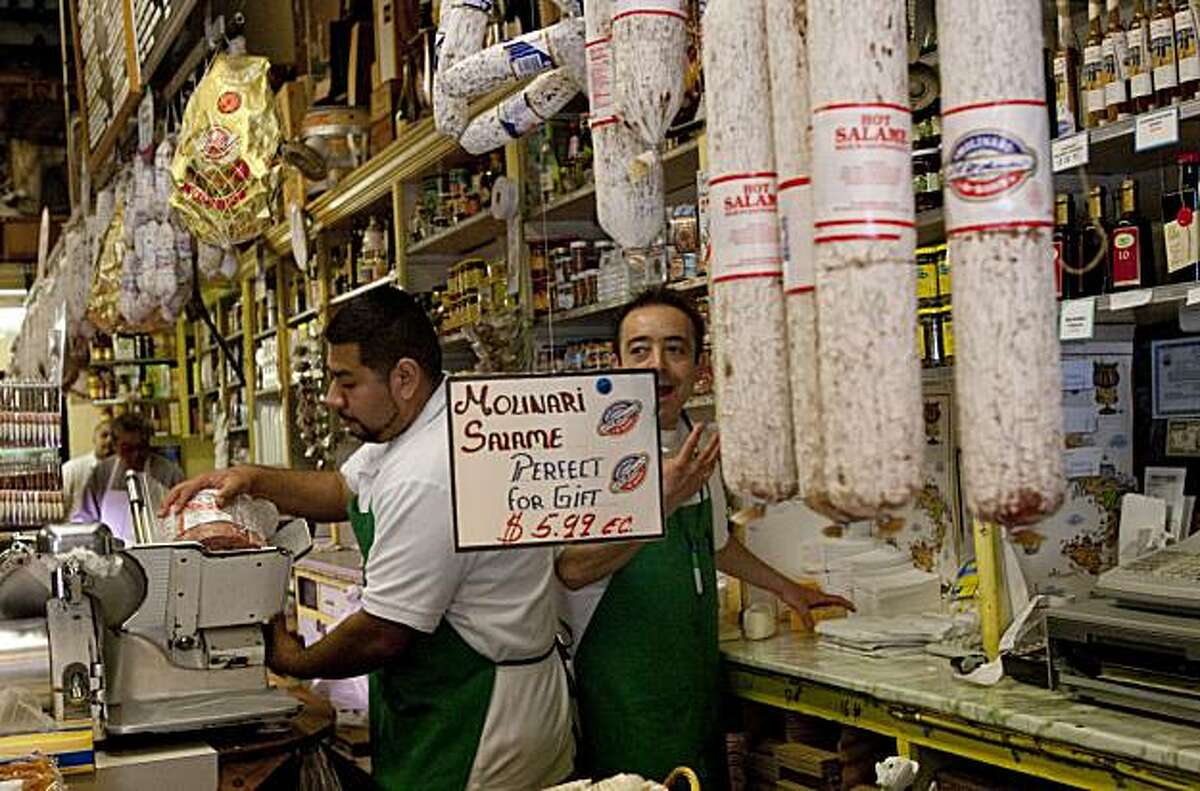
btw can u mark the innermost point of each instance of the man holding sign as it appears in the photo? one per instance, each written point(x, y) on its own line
point(645, 614)
point(466, 688)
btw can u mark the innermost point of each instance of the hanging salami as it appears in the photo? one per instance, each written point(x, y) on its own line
point(649, 45)
point(559, 45)
point(629, 200)
point(865, 238)
point(748, 323)
point(519, 113)
point(460, 34)
point(787, 48)
point(999, 224)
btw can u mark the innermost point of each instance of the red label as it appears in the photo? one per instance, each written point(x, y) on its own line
point(1126, 258)
point(229, 102)
point(1058, 268)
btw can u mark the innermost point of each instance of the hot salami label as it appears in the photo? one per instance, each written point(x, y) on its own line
point(995, 161)
point(599, 73)
point(744, 225)
point(862, 173)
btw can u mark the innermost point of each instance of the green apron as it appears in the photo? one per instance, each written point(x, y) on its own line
point(428, 710)
point(647, 665)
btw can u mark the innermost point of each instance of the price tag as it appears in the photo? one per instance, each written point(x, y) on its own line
point(1193, 297)
point(1157, 129)
point(1077, 321)
point(1070, 152)
point(1126, 300)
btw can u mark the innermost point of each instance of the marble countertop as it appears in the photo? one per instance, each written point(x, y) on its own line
point(928, 683)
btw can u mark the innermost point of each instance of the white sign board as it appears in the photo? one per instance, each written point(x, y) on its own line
point(1069, 152)
point(540, 460)
point(1077, 319)
point(1156, 129)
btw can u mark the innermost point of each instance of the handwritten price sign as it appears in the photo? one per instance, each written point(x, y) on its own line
point(540, 460)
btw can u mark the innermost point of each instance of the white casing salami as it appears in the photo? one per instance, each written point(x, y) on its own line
point(629, 201)
point(559, 45)
point(460, 34)
point(749, 327)
point(519, 113)
point(787, 48)
point(865, 240)
point(999, 224)
point(649, 45)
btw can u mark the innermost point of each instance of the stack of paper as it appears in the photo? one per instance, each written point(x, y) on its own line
point(887, 636)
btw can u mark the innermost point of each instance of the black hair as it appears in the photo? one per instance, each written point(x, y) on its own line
point(661, 295)
point(388, 325)
point(132, 423)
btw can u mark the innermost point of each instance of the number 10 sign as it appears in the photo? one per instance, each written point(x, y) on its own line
point(540, 460)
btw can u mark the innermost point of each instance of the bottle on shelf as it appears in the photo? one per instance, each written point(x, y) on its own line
point(1181, 222)
point(549, 178)
point(1162, 54)
point(1066, 240)
point(1116, 58)
point(1138, 67)
point(1085, 278)
point(1186, 51)
point(1132, 255)
point(372, 260)
point(1094, 75)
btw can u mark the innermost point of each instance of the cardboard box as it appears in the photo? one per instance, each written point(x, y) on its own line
point(291, 103)
point(387, 41)
point(382, 134)
point(385, 100)
point(21, 239)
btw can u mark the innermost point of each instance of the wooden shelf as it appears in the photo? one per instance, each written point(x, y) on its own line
point(262, 336)
point(106, 402)
point(470, 234)
point(26, 453)
point(386, 280)
point(302, 317)
point(145, 361)
point(689, 284)
point(270, 392)
point(415, 149)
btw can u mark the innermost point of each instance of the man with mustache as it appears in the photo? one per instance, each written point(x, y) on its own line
point(644, 614)
point(466, 689)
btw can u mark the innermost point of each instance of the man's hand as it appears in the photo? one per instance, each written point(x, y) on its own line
point(687, 471)
point(802, 600)
point(228, 483)
point(283, 647)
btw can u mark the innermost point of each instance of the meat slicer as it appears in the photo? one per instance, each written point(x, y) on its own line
point(151, 638)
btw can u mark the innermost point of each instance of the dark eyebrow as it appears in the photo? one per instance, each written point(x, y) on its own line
point(646, 339)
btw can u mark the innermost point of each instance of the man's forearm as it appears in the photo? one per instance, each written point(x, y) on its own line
point(360, 644)
point(320, 496)
point(583, 565)
point(738, 561)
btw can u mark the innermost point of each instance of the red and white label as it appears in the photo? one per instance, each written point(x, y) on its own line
point(599, 75)
point(862, 177)
point(622, 9)
point(1126, 257)
point(996, 166)
point(796, 235)
point(744, 226)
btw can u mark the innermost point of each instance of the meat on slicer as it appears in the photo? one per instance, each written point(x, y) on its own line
point(146, 639)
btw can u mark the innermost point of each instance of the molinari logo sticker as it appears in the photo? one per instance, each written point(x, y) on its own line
point(619, 418)
point(630, 472)
point(987, 164)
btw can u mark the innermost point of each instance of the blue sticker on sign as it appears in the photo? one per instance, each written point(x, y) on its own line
point(604, 385)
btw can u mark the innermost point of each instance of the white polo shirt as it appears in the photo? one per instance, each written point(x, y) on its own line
point(501, 603)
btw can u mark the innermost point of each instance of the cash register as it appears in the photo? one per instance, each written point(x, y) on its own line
point(1136, 643)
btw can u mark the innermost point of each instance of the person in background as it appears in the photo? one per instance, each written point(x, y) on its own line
point(105, 498)
point(644, 614)
point(466, 687)
point(77, 471)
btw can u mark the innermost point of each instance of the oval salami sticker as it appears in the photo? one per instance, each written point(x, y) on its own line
point(619, 418)
point(987, 164)
point(629, 473)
